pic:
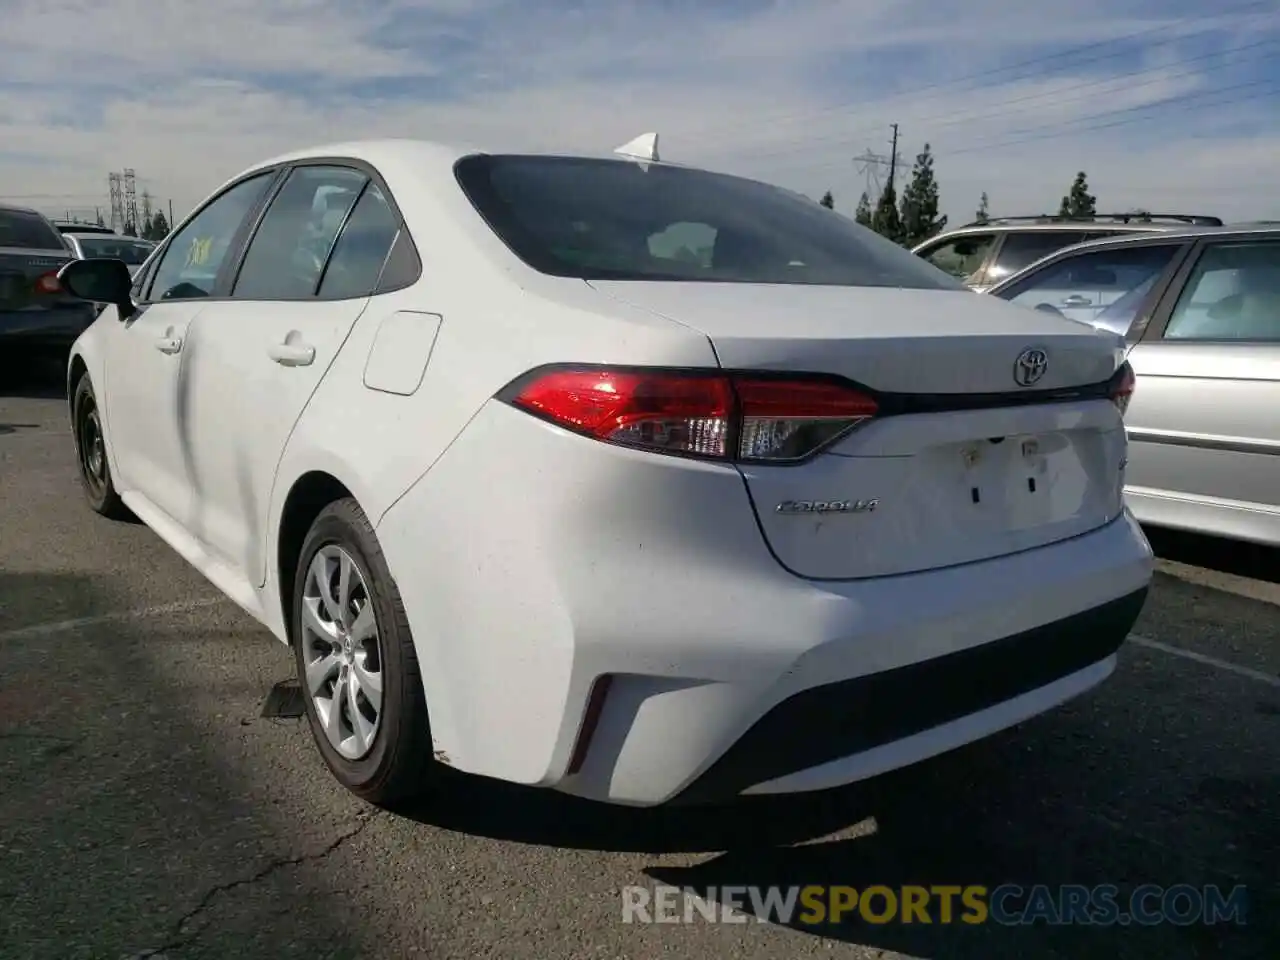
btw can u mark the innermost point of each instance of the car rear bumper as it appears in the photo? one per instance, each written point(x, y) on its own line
point(53, 327)
point(532, 563)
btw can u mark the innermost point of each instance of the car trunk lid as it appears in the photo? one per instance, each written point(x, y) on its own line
point(28, 278)
point(978, 451)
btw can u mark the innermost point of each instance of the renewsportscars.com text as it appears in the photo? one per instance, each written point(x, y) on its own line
point(1008, 905)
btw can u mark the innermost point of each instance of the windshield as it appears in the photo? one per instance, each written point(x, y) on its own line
point(620, 220)
point(132, 252)
point(18, 228)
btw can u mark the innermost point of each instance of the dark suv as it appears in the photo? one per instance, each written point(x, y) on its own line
point(984, 253)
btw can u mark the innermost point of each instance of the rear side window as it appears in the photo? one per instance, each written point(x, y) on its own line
point(362, 248)
point(1020, 250)
point(1115, 282)
point(28, 231)
point(288, 252)
point(963, 256)
point(618, 220)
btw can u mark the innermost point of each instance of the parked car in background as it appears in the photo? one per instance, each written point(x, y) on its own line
point(131, 250)
point(1200, 310)
point(534, 494)
point(78, 226)
point(35, 312)
point(984, 253)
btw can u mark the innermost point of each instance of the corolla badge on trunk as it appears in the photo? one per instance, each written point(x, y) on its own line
point(1030, 366)
point(797, 507)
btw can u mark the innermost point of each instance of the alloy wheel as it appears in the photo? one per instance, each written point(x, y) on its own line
point(342, 656)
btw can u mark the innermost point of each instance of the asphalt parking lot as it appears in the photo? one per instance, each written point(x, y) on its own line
point(146, 808)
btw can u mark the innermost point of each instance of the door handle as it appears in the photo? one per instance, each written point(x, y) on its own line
point(169, 345)
point(292, 354)
point(1075, 300)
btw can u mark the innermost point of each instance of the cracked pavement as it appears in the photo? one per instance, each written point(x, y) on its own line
point(147, 810)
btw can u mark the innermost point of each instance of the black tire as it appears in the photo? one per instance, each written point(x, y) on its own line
point(91, 454)
point(399, 763)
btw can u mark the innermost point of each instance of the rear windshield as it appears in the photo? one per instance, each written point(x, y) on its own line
point(18, 228)
point(132, 252)
point(616, 220)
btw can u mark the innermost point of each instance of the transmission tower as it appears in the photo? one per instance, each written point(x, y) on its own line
point(873, 166)
point(130, 199)
point(146, 212)
point(115, 191)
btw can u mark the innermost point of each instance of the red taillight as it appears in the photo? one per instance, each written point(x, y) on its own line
point(1122, 386)
point(722, 416)
point(48, 282)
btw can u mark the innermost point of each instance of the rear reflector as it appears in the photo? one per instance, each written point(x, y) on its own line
point(590, 720)
point(1122, 387)
point(737, 417)
point(48, 282)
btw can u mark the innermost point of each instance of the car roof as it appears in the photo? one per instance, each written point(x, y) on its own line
point(1176, 234)
point(16, 208)
point(98, 235)
point(426, 155)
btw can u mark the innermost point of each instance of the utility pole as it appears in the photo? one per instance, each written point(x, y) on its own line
point(171, 213)
point(893, 156)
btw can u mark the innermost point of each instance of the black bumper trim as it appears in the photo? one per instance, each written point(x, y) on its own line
point(837, 720)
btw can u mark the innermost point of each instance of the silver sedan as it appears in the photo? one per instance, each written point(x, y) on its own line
point(1200, 309)
point(131, 250)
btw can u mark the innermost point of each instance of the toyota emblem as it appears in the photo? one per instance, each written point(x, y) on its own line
point(1030, 367)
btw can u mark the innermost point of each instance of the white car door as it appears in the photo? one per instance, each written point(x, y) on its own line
point(146, 390)
point(308, 272)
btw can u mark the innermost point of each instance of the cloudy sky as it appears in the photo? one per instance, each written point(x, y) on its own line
point(1167, 104)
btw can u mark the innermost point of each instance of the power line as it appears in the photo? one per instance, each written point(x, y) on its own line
point(1055, 132)
point(942, 120)
point(1035, 63)
point(1066, 129)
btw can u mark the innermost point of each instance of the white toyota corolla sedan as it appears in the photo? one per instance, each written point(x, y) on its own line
point(640, 482)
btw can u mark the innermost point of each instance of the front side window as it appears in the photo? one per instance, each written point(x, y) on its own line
point(28, 231)
point(287, 254)
point(190, 263)
point(618, 220)
point(962, 257)
point(1021, 250)
point(1233, 293)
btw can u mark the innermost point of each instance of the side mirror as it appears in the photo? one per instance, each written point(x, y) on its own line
point(99, 280)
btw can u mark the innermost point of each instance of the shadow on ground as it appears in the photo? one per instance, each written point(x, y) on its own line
point(123, 831)
point(37, 376)
point(1226, 556)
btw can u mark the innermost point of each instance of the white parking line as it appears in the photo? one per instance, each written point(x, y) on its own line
point(1239, 671)
point(61, 626)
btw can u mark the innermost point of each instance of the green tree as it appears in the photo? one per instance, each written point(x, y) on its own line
point(920, 219)
point(159, 228)
point(828, 200)
point(885, 219)
point(984, 214)
point(863, 213)
point(1079, 203)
